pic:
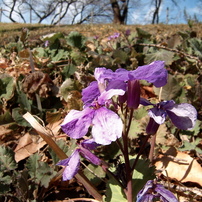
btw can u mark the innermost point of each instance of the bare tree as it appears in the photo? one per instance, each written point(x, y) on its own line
point(93, 11)
point(75, 11)
point(157, 6)
point(120, 11)
point(14, 9)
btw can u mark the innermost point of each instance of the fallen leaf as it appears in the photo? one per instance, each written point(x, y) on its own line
point(180, 166)
point(28, 145)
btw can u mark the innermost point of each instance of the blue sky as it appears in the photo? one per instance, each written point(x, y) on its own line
point(175, 15)
point(143, 13)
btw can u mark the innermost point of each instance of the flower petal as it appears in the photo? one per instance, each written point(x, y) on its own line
point(158, 115)
point(72, 165)
point(107, 126)
point(102, 74)
point(145, 102)
point(90, 93)
point(165, 194)
point(116, 84)
point(106, 95)
point(183, 116)
point(142, 195)
point(89, 144)
point(76, 123)
point(154, 73)
point(90, 156)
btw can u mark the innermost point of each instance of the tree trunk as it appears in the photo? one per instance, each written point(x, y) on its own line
point(156, 12)
point(120, 14)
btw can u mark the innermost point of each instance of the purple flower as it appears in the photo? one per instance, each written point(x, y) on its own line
point(126, 80)
point(72, 163)
point(182, 115)
point(152, 191)
point(46, 43)
point(127, 32)
point(106, 124)
point(114, 36)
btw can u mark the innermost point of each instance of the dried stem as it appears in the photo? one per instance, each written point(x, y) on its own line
point(47, 137)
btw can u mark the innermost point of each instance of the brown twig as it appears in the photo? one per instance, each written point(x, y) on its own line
point(172, 50)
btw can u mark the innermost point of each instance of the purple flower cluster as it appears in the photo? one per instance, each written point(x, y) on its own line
point(106, 124)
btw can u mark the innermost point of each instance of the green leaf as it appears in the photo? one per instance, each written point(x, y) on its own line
point(17, 114)
point(4, 188)
point(163, 55)
point(140, 113)
point(7, 87)
point(33, 165)
point(24, 102)
point(45, 174)
point(77, 56)
point(40, 52)
point(119, 56)
point(114, 193)
point(53, 38)
point(75, 39)
point(188, 146)
point(171, 90)
point(40, 172)
point(196, 45)
point(69, 70)
point(7, 160)
point(135, 129)
point(60, 55)
point(94, 174)
point(5, 118)
point(143, 34)
point(142, 173)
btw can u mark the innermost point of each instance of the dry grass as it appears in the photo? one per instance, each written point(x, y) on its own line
point(9, 31)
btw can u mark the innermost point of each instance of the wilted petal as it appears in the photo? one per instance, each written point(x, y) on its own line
point(107, 126)
point(106, 95)
point(165, 194)
point(154, 73)
point(90, 156)
point(76, 123)
point(89, 144)
point(90, 93)
point(183, 116)
point(72, 165)
point(158, 115)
